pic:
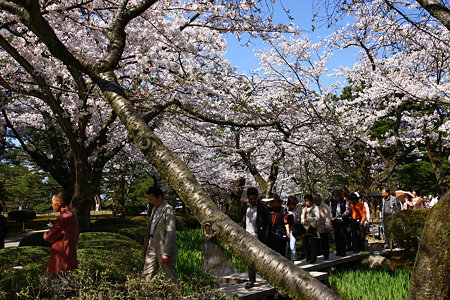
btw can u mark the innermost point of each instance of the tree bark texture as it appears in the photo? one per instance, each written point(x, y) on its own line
point(436, 159)
point(276, 269)
point(430, 279)
point(437, 10)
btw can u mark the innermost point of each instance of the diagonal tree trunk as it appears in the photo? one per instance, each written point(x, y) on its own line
point(276, 269)
point(432, 266)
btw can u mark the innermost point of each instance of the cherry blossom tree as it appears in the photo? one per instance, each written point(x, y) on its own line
point(400, 77)
point(142, 50)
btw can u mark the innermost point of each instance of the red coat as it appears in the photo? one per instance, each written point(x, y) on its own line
point(64, 238)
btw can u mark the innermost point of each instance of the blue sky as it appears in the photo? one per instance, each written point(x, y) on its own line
point(302, 11)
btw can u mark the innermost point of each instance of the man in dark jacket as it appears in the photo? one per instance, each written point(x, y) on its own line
point(340, 212)
point(278, 238)
point(255, 218)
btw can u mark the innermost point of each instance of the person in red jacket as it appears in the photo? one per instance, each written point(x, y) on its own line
point(63, 235)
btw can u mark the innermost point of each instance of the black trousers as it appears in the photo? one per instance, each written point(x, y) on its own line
point(278, 244)
point(310, 241)
point(324, 245)
point(251, 275)
point(340, 231)
point(358, 236)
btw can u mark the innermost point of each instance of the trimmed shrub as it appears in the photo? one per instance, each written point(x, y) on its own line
point(405, 227)
point(112, 221)
point(34, 239)
point(22, 215)
point(110, 264)
point(137, 233)
point(134, 209)
point(105, 239)
point(33, 261)
point(140, 219)
point(185, 222)
point(102, 256)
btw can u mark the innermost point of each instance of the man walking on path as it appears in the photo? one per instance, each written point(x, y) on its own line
point(160, 239)
point(256, 222)
point(63, 235)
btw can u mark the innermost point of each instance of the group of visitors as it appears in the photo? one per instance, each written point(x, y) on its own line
point(346, 216)
point(279, 227)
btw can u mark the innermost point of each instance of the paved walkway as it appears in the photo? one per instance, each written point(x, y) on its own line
point(14, 240)
point(263, 289)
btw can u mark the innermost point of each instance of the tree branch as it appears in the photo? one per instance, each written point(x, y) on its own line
point(437, 10)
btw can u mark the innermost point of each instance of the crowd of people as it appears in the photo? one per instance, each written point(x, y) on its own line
point(345, 216)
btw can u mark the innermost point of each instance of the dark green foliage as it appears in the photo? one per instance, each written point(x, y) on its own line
point(112, 221)
point(91, 240)
point(405, 227)
point(140, 220)
point(109, 263)
point(134, 208)
point(32, 259)
point(186, 221)
point(134, 229)
point(109, 256)
point(235, 213)
point(22, 215)
point(34, 239)
point(137, 234)
point(24, 183)
point(418, 172)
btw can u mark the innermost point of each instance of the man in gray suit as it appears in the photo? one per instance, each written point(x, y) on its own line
point(160, 247)
point(389, 205)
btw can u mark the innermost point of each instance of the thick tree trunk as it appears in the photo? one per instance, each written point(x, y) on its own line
point(430, 279)
point(436, 159)
point(278, 270)
point(119, 196)
point(84, 191)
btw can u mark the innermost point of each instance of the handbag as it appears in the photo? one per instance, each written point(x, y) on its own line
point(298, 230)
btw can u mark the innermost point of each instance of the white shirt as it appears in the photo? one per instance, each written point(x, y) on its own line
point(250, 220)
point(367, 211)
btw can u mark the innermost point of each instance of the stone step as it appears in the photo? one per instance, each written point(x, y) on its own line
point(261, 289)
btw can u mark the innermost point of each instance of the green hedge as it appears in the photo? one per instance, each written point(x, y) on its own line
point(185, 222)
point(109, 264)
point(134, 229)
point(22, 215)
point(34, 239)
point(32, 259)
point(405, 227)
point(102, 256)
point(112, 221)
